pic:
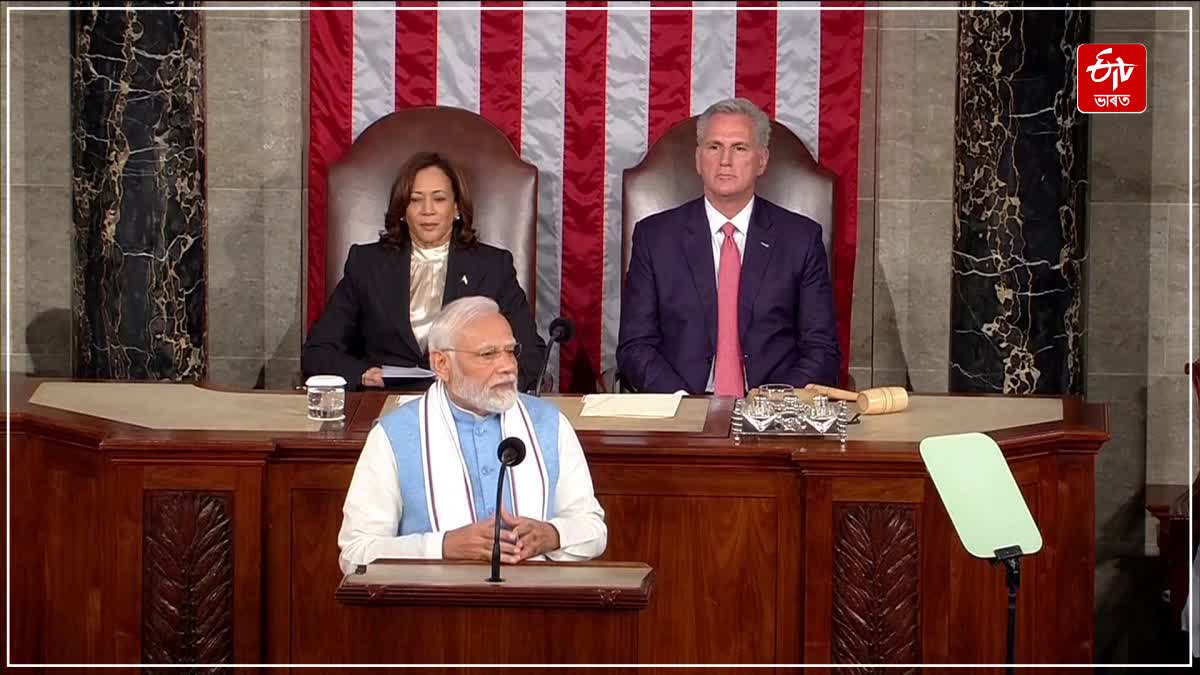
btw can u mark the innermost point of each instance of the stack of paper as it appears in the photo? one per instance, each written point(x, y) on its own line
point(406, 373)
point(655, 406)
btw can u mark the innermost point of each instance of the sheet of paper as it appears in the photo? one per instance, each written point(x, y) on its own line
point(406, 373)
point(657, 406)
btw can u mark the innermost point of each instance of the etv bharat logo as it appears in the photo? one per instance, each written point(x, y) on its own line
point(1111, 78)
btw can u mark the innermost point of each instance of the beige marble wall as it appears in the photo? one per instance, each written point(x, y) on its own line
point(256, 121)
point(901, 326)
point(1138, 309)
point(1138, 287)
point(257, 116)
point(40, 166)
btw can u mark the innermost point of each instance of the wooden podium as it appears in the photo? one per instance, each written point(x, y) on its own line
point(434, 612)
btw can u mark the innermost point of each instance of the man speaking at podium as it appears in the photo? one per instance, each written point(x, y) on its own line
point(425, 483)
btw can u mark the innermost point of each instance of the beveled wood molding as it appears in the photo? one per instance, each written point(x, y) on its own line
point(1082, 431)
point(504, 595)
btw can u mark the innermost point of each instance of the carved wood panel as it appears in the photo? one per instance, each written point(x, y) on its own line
point(187, 577)
point(875, 589)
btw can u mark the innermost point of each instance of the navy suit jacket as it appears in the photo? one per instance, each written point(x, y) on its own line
point(786, 317)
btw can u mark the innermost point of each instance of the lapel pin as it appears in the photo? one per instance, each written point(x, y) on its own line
point(765, 244)
point(464, 280)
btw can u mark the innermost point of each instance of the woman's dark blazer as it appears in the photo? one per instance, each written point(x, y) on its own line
point(365, 322)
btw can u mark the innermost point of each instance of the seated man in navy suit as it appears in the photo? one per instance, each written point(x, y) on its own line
point(728, 291)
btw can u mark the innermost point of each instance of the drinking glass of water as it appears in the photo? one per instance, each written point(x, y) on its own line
point(326, 397)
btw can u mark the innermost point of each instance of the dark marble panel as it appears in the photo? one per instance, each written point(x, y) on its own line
point(138, 176)
point(1017, 317)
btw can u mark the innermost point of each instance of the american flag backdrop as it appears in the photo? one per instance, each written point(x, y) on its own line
point(582, 90)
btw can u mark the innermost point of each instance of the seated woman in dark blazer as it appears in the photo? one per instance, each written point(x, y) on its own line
point(427, 256)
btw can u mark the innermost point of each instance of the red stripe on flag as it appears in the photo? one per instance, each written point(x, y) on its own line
point(331, 105)
point(754, 69)
point(416, 55)
point(670, 67)
point(841, 107)
point(501, 39)
point(583, 194)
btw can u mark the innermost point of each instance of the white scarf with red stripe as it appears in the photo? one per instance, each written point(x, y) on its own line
point(449, 498)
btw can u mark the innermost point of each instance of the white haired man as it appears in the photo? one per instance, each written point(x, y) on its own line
point(424, 486)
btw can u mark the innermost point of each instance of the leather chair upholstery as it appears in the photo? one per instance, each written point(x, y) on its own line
point(666, 177)
point(503, 187)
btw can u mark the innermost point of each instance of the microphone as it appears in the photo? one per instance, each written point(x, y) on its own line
point(561, 330)
point(511, 452)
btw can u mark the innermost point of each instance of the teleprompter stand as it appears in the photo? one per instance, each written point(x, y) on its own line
point(989, 514)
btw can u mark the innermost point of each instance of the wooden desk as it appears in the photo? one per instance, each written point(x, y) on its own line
point(139, 545)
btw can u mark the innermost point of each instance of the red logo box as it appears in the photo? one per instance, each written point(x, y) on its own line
point(1111, 78)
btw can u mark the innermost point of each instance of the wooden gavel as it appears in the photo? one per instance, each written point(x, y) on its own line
point(876, 401)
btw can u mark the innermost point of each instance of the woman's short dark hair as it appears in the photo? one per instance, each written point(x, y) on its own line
point(396, 234)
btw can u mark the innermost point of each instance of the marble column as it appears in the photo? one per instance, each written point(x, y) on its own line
point(139, 207)
point(1019, 192)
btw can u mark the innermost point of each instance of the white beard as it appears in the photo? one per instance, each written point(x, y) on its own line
point(482, 397)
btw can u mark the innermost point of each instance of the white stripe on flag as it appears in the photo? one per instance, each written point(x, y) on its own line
point(798, 71)
point(458, 55)
point(374, 64)
point(626, 120)
point(714, 53)
point(542, 132)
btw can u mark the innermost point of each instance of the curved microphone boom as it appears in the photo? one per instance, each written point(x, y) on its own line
point(510, 452)
point(561, 330)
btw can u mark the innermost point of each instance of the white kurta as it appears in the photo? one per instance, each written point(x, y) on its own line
point(374, 507)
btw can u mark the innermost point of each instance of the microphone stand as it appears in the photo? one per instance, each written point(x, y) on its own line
point(561, 330)
point(537, 390)
point(1010, 557)
point(495, 578)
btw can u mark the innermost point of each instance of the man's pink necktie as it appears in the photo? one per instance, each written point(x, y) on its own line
point(729, 375)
